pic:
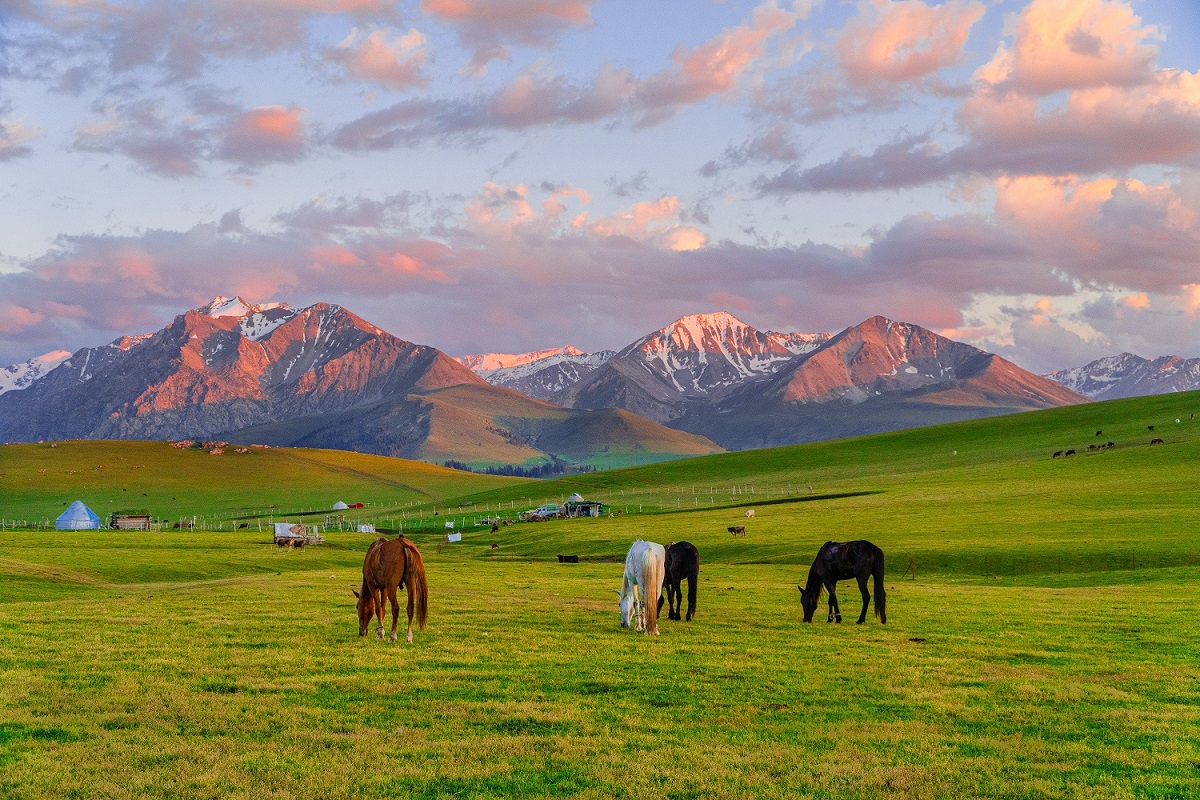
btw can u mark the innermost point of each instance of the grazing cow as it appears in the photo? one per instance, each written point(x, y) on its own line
point(737, 530)
point(749, 513)
point(1091, 447)
point(1149, 427)
point(1069, 453)
point(1111, 444)
point(1157, 441)
point(1099, 433)
point(1057, 454)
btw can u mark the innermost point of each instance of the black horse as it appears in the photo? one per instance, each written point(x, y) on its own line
point(683, 561)
point(837, 561)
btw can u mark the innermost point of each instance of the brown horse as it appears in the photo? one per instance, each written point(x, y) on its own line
point(388, 564)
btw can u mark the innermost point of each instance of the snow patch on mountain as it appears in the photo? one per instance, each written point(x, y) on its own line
point(20, 376)
point(485, 364)
point(1128, 375)
point(222, 306)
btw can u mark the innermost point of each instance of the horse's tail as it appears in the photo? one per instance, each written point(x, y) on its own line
point(880, 594)
point(653, 573)
point(414, 574)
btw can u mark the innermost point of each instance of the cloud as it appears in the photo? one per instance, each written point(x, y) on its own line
point(179, 40)
point(1074, 44)
point(144, 131)
point(535, 98)
point(775, 145)
point(488, 28)
point(904, 40)
point(264, 135)
point(1076, 93)
point(163, 141)
point(394, 60)
point(14, 137)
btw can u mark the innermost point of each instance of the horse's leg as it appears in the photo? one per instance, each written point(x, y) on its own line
point(637, 607)
point(835, 612)
point(377, 603)
point(408, 638)
point(862, 587)
point(391, 596)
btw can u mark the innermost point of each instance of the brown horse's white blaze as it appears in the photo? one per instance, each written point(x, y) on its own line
point(387, 566)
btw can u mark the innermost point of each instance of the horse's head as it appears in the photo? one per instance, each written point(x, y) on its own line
point(366, 610)
point(628, 609)
point(808, 601)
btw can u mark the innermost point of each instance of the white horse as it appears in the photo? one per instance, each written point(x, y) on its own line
point(645, 566)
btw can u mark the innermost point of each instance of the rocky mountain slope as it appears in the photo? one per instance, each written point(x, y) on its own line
point(696, 359)
point(1127, 375)
point(319, 376)
point(544, 375)
point(877, 376)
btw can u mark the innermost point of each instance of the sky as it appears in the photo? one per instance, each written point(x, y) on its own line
point(514, 175)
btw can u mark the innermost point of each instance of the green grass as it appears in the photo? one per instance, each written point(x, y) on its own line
point(40, 480)
point(1046, 648)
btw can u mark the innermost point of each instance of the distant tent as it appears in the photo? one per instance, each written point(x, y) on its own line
point(575, 498)
point(340, 506)
point(77, 517)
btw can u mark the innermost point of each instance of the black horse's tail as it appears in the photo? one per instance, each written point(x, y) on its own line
point(880, 594)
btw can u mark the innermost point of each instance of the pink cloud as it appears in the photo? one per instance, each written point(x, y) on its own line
point(264, 135)
point(1074, 44)
point(902, 40)
point(394, 61)
point(1072, 112)
point(15, 319)
point(489, 27)
point(714, 67)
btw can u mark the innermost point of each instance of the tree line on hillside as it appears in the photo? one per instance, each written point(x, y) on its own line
point(554, 467)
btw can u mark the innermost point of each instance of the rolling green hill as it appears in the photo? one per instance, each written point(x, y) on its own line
point(39, 480)
point(1044, 647)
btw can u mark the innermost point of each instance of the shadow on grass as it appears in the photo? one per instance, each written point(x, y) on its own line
point(812, 498)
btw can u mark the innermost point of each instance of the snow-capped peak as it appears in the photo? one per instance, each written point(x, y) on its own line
point(20, 376)
point(222, 306)
point(485, 363)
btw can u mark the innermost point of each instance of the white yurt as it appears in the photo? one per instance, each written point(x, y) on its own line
point(77, 517)
point(340, 506)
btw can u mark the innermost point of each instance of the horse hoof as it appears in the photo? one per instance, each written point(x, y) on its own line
point(408, 638)
point(392, 638)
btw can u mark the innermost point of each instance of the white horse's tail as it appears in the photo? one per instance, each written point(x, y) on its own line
point(652, 579)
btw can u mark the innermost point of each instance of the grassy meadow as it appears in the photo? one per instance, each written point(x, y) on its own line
point(1046, 648)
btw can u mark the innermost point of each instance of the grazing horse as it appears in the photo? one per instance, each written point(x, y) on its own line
point(683, 561)
point(645, 565)
point(388, 564)
point(836, 561)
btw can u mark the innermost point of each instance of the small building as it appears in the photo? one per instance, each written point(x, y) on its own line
point(130, 521)
point(584, 508)
point(77, 517)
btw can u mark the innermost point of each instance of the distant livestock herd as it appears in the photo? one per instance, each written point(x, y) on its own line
point(1093, 448)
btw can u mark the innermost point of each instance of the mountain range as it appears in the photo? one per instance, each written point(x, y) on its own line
point(322, 377)
point(318, 377)
point(1127, 375)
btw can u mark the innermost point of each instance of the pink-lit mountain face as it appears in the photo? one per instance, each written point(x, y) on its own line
point(221, 368)
point(316, 377)
point(877, 376)
point(698, 358)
